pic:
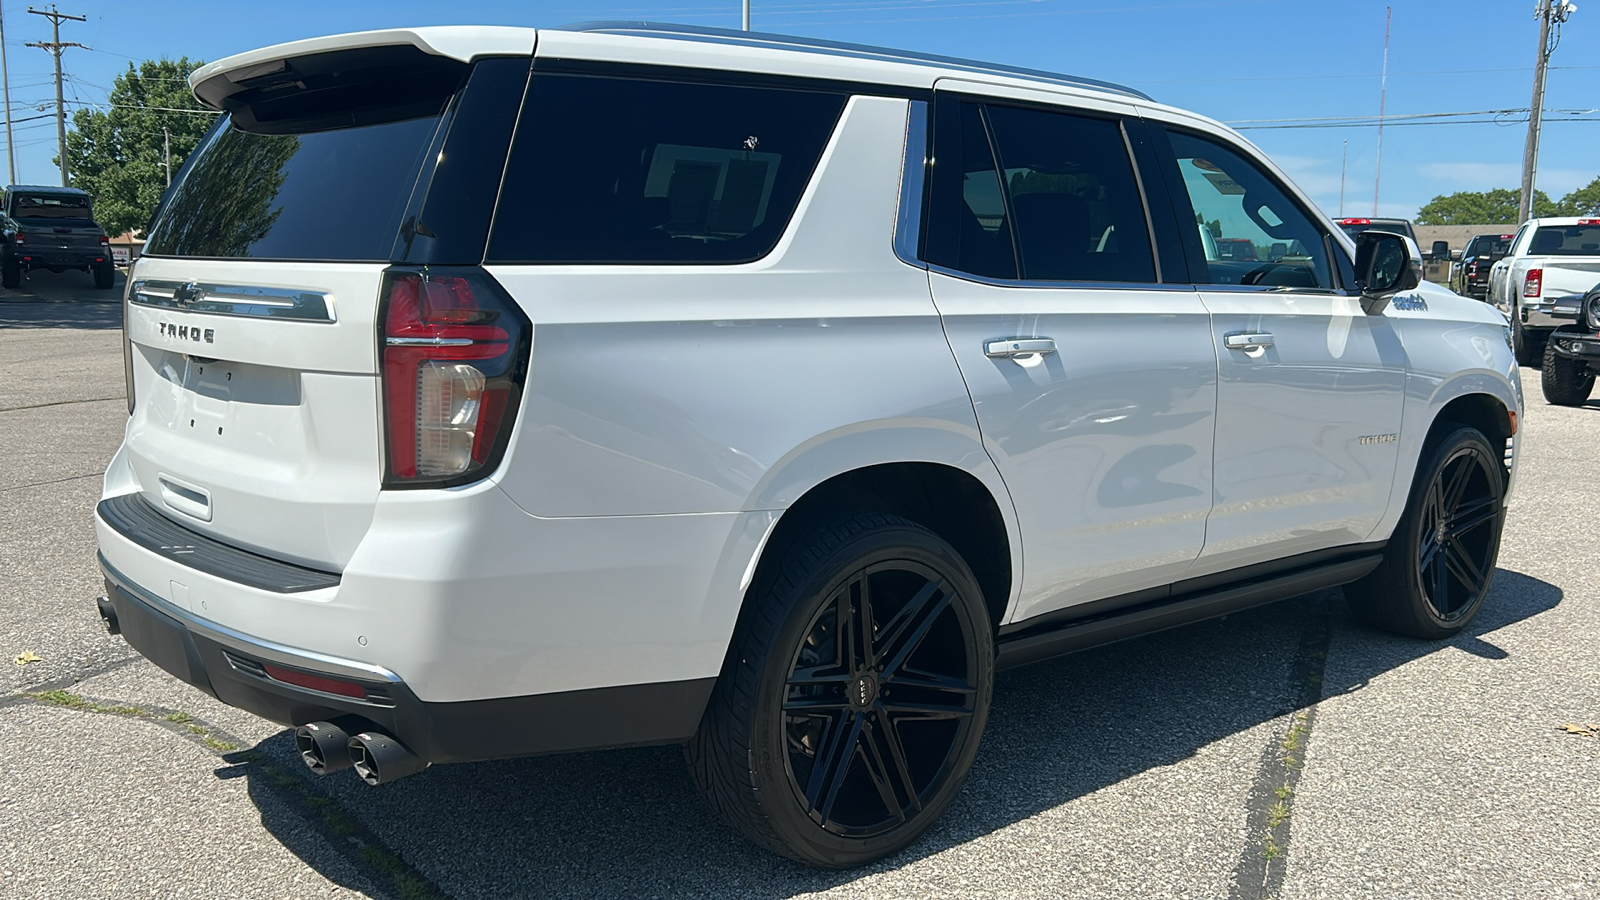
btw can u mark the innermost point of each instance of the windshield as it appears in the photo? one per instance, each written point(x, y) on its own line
point(1566, 240)
point(49, 206)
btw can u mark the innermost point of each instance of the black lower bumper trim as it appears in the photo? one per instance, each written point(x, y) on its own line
point(499, 728)
point(135, 519)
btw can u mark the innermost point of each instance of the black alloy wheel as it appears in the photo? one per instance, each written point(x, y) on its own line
point(854, 695)
point(880, 695)
point(1440, 560)
point(1456, 556)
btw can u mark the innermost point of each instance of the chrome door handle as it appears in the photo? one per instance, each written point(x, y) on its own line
point(1245, 340)
point(1012, 348)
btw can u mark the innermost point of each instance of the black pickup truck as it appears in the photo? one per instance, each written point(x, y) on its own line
point(1572, 354)
point(52, 228)
point(1470, 276)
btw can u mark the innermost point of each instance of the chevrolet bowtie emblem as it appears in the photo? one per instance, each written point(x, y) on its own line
point(186, 293)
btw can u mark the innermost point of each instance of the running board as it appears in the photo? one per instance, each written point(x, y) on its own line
point(1082, 634)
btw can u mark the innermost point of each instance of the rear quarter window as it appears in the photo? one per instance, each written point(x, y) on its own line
point(630, 170)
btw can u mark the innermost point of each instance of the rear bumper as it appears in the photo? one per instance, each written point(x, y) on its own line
point(232, 667)
point(62, 259)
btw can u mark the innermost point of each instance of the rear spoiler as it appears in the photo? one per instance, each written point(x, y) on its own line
point(217, 84)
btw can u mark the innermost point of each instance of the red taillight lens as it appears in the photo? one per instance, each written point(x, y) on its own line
point(1472, 270)
point(20, 240)
point(455, 348)
point(1533, 283)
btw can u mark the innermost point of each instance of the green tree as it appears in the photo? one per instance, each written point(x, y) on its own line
point(1496, 207)
point(117, 154)
point(1584, 201)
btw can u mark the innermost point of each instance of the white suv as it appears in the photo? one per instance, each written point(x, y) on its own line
point(496, 393)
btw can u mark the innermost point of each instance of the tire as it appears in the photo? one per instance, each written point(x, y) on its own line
point(105, 277)
point(1440, 561)
point(910, 718)
point(10, 276)
point(1565, 382)
point(1526, 349)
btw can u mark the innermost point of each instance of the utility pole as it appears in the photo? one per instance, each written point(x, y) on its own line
point(55, 46)
point(5, 87)
point(1344, 156)
point(1549, 11)
point(1383, 95)
point(166, 152)
point(746, 15)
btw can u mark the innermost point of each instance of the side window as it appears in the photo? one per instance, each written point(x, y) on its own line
point(624, 170)
point(1076, 205)
point(982, 234)
point(1261, 237)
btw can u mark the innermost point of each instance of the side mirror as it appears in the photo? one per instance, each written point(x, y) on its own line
point(1441, 250)
point(1386, 264)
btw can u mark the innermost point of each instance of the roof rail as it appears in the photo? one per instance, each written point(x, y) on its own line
point(836, 48)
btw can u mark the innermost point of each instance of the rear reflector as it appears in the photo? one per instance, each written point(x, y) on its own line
point(315, 682)
point(455, 348)
point(1533, 283)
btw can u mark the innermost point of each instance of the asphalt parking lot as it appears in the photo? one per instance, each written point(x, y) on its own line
point(1283, 752)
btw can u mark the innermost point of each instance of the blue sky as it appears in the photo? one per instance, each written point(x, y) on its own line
point(1235, 60)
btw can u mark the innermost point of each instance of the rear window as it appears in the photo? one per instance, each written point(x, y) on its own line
point(335, 194)
point(1490, 246)
point(1566, 240)
point(1397, 226)
point(622, 170)
point(49, 206)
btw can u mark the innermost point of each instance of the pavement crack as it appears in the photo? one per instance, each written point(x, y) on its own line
point(18, 487)
point(1262, 863)
point(60, 403)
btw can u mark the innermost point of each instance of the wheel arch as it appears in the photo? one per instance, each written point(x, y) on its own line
point(957, 504)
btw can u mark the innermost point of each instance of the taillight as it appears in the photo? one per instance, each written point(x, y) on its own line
point(1533, 283)
point(20, 240)
point(455, 351)
point(1472, 270)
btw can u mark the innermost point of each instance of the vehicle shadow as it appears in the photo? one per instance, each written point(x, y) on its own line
point(631, 823)
point(61, 300)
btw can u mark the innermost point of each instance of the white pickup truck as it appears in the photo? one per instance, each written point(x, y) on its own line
point(1553, 262)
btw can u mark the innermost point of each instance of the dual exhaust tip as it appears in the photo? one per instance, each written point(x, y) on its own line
point(378, 758)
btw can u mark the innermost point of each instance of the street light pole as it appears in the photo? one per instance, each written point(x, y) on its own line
point(746, 15)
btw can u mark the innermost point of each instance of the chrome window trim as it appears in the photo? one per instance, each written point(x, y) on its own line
point(1272, 289)
point(1059, 285)
point(913, 182)
point(234, 300)
point(270, 651)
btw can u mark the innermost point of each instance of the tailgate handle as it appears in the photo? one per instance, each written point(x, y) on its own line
point(185, 498)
